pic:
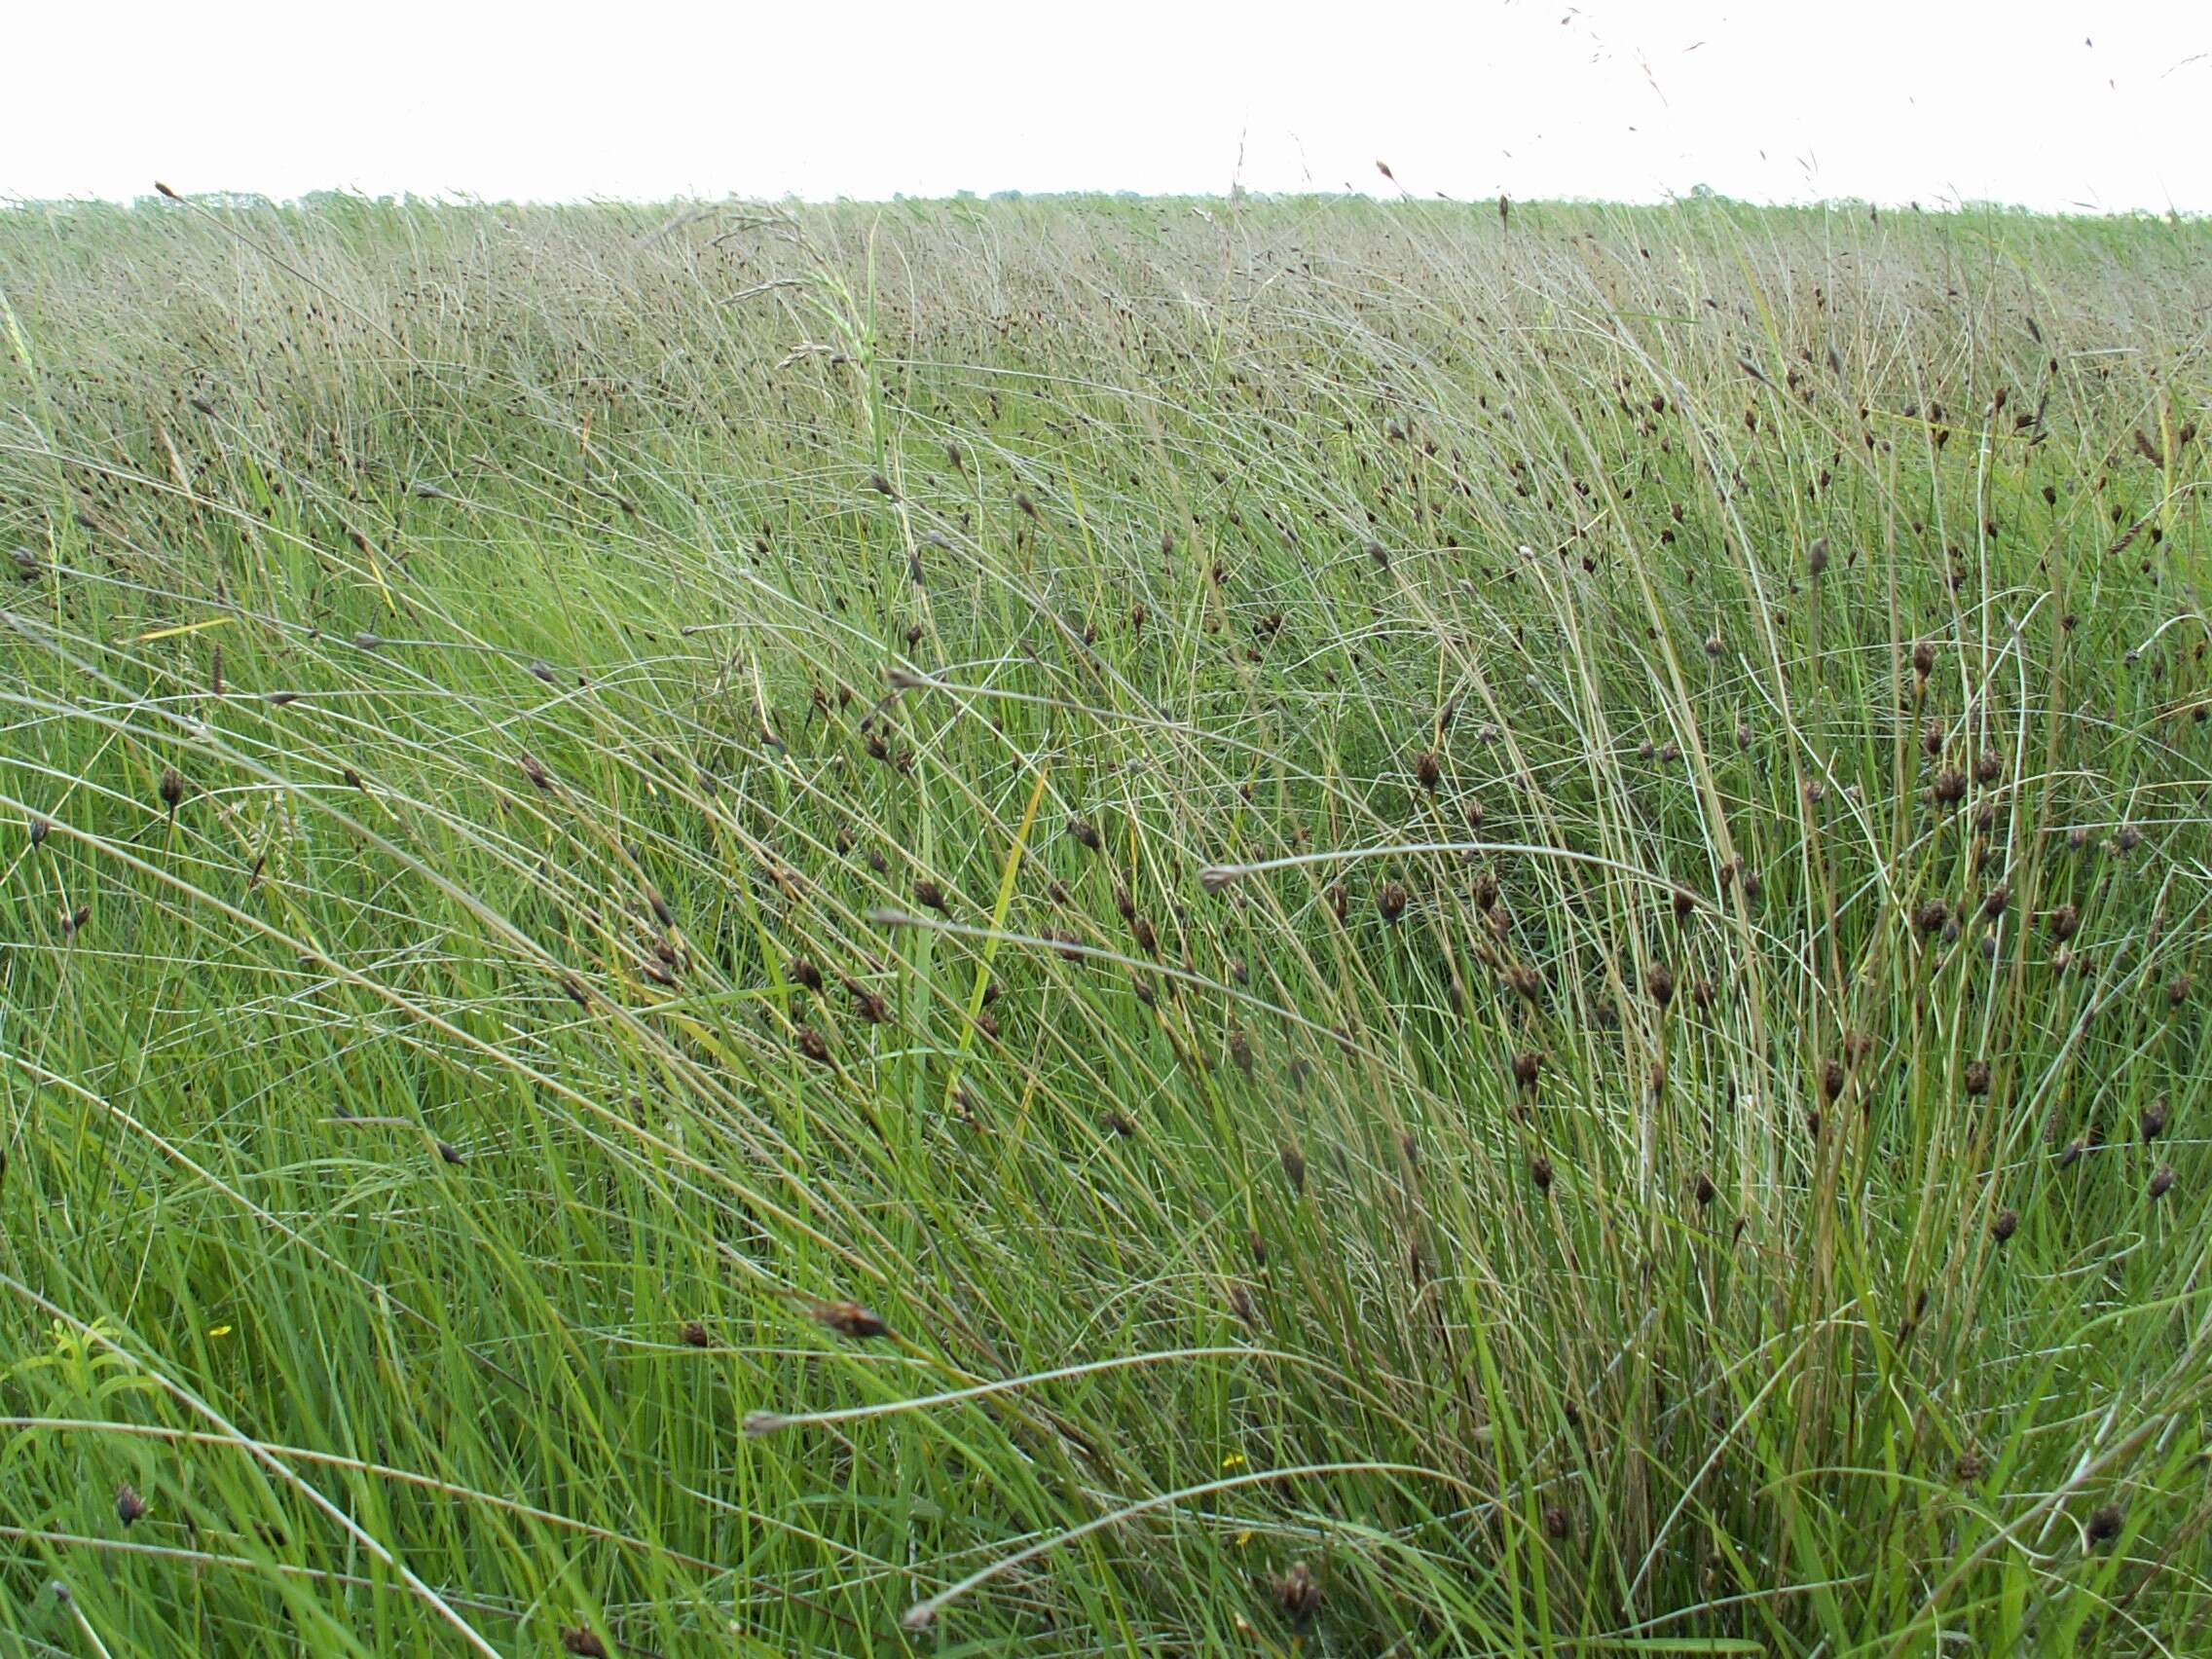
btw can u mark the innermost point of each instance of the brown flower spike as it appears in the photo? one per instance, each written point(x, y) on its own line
point(849, 1319)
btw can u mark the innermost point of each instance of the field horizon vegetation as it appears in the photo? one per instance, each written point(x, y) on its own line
point(1092, 926)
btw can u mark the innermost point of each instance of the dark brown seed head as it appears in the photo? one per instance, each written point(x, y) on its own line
point(1391, 901)
point(1932, 736)
point(1485, 892)
point(2155, 1119)
point(1525, 981)
point(1660, 983)
point(1923, 661)
point(1989, 767)
point(1540, 1172)
point(1555, 1520)
point(1832, 1080)
point(2162, 1181)
point(1240, 1303)
point(1294, 1167)
point(2065, 922)
point(1994, 904)
point(849, 1319)
point(2104, 1524)
point(2177, 990)
point(1340, 900)
point(1085, 832)
point(172, 788)
point(2006, 1224)
point(2073, 1150)
point(1148, 941)
point(800, 971)
point(1299, 1594)
point(1977, 1077)
point(128, 1505)
point(582, 1642)
point(1428, 769)
point(1705, 1191)
point(38, 829)
point(1527, 1066)
point(1685, 903)
point(1950, 787)
point(694, 1333)
point(1968, 1468)
point(1933, 915)
point(929, 895)
point(813, 1045)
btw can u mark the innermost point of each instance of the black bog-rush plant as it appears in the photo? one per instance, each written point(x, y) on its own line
point(1075, 927)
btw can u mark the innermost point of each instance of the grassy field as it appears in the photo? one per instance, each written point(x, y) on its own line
point(1097, 926)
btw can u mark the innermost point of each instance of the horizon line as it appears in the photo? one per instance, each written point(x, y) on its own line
point(161, 198)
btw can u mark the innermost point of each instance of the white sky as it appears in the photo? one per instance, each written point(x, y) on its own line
point(2042, 103)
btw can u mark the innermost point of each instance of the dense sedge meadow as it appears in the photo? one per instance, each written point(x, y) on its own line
point(1104, 926)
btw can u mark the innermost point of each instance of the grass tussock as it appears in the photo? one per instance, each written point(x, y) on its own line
point(1082, 927)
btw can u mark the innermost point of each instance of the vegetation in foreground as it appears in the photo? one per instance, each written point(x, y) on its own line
point(1098, 927)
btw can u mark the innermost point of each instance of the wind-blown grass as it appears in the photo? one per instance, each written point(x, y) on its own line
point(1077, 927)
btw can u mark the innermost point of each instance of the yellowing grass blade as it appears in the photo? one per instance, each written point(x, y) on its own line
point(154, 634)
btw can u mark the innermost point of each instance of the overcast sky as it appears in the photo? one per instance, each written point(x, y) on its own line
point(2042, 103)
